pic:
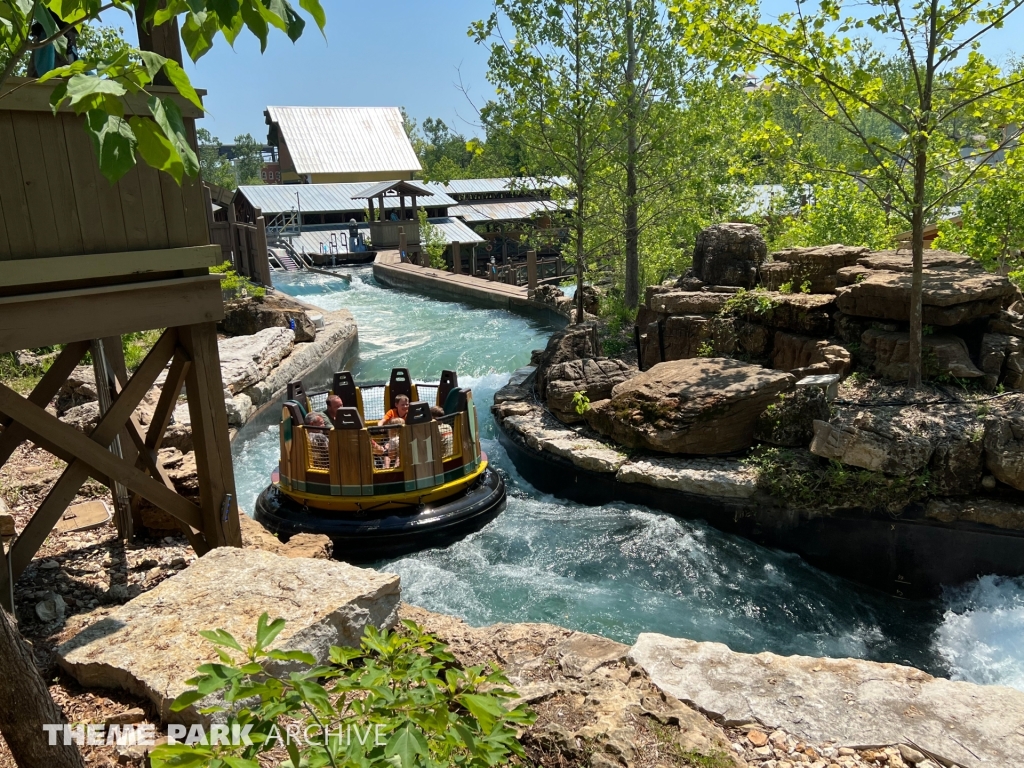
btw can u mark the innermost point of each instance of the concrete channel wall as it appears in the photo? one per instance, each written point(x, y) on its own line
point(389, 271)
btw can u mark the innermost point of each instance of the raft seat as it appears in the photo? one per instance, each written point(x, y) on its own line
point(297, 393)
point(449, 381)
point(400, 383)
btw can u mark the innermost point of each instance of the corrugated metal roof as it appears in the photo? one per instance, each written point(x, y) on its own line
point(345, 139)
point(503, 185)
point(454, 230)
point(325, 198)
point(407, 187)
point(504, 210)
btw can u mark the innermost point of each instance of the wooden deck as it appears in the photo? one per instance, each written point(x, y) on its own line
point(388, 270)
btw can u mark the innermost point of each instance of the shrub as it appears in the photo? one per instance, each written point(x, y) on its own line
point(405, 685)
point(234, 285)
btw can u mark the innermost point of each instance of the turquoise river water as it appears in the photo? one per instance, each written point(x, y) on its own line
point(618, 570)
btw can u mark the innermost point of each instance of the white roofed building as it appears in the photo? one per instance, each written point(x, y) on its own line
point(320, 145)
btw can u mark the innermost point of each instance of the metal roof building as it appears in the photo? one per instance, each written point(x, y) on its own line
point(326, 198)
point(338, 144)
point(508, 210)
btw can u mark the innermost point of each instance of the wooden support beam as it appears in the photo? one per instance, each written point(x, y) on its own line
point(210, 439)
point(29, 321)
point(98, 265)
point(13, 434)
point(168, 399)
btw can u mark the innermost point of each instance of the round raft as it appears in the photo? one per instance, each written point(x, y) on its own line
point(379, 490)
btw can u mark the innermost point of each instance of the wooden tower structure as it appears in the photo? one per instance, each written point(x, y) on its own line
point(83, 262)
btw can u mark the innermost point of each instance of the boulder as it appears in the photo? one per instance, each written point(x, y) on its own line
point(1004, 448)
point(239, 408)
point(553, 296)
point(805, 356)
point(312, 545)
point(817, 265)
point(689, 335)
point(847, 701)
point(800, 312)
point(724, 478)
point(246, 360)
point(873, 443)
point(935, 260)
point(942, 355)
point(574, 343)
point(1002, 360)
point(594, 377)
point(956, 465)
point(689, 302)
point(790, 421)
point(1008, 322)
point(697, 406)
point(950, 297)
point(83, 417)
point(729, 254)
point(150, 646)
point(248, 316)
point(999, 514)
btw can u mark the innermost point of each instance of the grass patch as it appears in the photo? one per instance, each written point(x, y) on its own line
point(669, 751)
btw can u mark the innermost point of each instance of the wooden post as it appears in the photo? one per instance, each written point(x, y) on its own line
point(402, 244)
point(531, 270)
point(233, 237)
point(456, 258)
point(262, 259)
point(369, 202)
point(218, 498)
point(118, 493)
point(472, 262)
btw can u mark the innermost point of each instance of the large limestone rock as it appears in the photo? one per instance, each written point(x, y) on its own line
point(790, 421)
point(956, 465)
point(805, 356)
point(724, 478)
point(871, 442)
point(798, 312)
point(150, 646)
point(1004, 448)
point(852, 702)
point(594, 377)
point(246, 360)
point(249, 316)
point(543, 433)
point(1008, 322)
point(312, 545)
point(935, 260)
point(950, 297)
point(1000, 514)
point(943, 355)
point(817, 266)
point(574, 343)
point(1002, 360)
point(729, 254)
point(698, 406)
point(689, 302)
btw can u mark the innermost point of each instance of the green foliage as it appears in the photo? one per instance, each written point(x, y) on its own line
point(580, 403)
point(840, 213)
point(404, 685)
point(812, 485)
point(746, 303)
point(236, 285)
point(433, 241)
point(706, 349)
point(217, 168)
point(96, 85)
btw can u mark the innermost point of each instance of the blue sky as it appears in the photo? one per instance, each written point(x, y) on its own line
point(407, 53)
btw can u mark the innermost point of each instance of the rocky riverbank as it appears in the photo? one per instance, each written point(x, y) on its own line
point(661, 702)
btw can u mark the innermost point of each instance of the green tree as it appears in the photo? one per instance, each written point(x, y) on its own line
point(95, 84)
point(991, 226)
point(923, 161)
point(214, 167)
point(444, 154)
point(248, 159)
point(840, 212)
point(551, 75)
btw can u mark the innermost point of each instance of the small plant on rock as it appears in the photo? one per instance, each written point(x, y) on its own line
point(706, 349)
point(786, 287)
point(580, 403)
point(234, 285)
point(805, 286)
point(399, 700)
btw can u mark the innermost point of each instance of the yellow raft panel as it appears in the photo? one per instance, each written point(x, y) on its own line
point(361, 503)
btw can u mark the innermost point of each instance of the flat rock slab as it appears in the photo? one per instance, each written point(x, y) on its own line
point(725, 478)
point(853, 702)
point(245, 360)
point(151, 645)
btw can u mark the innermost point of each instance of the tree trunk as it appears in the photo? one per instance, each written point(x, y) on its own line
point(25, 706)
point(632, 292)
point(917, 283)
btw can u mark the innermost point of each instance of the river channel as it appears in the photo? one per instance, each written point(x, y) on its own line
point(618, 570)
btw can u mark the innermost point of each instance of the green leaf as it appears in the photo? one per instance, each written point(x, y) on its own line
point(239, 762)
point(155, 149)
point(302, 656)
point(113, 142)
point(168, 117)
point(220, 636)
point(485, 709)
point(406, 743)
point(255, 22)
point(314, 9)
point(58, 96)
point(42, 15)
point(266, 630)
point(186, 699)
point(92, 93)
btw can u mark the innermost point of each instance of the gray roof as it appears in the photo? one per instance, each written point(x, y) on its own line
point(454, 230)
point(324, 198)
point(345, 139)
point(503, 185)
point(312, 240)
point(502, 210)
point(404, 187)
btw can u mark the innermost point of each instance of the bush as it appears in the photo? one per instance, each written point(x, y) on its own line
point(234, 285)
point(404, 685)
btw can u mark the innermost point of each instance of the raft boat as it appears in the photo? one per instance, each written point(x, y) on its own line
point(382, 491)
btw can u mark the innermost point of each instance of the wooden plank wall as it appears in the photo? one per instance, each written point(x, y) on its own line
point(55, 202)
